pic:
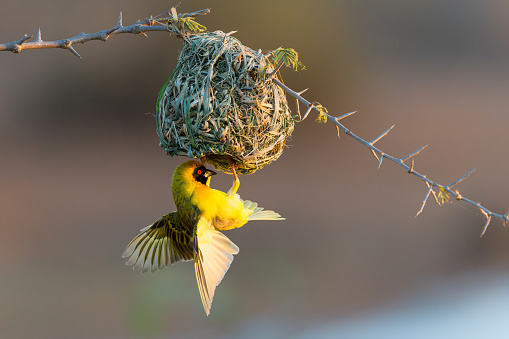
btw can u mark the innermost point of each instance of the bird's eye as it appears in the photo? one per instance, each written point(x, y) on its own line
point(199, 172)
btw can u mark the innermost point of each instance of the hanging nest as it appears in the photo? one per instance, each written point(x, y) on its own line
point(219, 104)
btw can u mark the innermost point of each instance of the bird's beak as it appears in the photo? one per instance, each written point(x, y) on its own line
point(209, 173)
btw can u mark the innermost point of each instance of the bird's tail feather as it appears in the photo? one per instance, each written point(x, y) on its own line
point(258, 213)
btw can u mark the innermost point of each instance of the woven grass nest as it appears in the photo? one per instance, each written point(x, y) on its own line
point(219, 104)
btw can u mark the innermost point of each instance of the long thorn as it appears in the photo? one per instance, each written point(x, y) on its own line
point(298, 109)
point(274, 72)
point(413, 154)
point(374, 154)
point(382, 135)
point(310, 107)
point(345, 115)
point(462, 178)
point(38, 38)
point(436, 198)
point(488, 220)
point(380, 161)
point(73, 51)
point(411, 169)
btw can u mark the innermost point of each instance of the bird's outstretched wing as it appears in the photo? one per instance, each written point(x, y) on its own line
point(212, 258)
point(161, 244)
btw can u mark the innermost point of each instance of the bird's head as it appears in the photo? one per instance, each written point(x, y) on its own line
point(193, 170)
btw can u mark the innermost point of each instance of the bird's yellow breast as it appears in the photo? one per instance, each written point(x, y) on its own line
point(222, 211)
point(195, 200)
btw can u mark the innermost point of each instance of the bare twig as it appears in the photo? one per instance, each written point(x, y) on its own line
point(152, 24)
point(401, 161)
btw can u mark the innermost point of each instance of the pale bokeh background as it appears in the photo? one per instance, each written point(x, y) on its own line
point(81, 172)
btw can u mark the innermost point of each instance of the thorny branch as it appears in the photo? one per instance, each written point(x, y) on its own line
point(160, 23)
point(157, 23)
point(380, 155)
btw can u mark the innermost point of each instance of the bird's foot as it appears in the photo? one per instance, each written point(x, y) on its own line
point(236, 181)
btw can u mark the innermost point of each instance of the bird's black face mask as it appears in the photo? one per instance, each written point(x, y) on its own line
point(201, 174)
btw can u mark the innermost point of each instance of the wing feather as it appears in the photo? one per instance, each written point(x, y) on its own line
point(161, 244)
point(212, 257)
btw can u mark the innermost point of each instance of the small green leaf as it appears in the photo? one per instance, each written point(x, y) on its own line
point(191, 25)
point(296, 118)
point(443, 196)
point(290, 58)
point(322, 117)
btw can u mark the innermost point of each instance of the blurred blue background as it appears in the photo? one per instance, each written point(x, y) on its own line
point(81, 172)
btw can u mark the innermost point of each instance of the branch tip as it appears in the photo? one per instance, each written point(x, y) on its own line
point(23, 40)
point(200, 12)
point(505, 217)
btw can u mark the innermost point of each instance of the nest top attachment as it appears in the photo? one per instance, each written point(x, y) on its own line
point(219, 104)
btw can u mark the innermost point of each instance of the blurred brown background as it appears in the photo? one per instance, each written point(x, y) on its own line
point(81, 172)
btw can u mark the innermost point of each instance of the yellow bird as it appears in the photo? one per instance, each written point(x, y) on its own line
point(192, 232)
